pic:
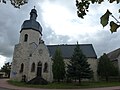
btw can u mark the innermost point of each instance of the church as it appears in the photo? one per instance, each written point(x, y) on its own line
point(32, 58)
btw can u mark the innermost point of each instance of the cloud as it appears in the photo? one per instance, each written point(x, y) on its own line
point(8, 32)
point(50, 37)
point(103, 41)
point(2, 60)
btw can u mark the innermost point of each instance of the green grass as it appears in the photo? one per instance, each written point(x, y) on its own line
point(67, 85)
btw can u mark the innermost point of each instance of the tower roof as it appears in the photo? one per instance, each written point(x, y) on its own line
point(32, 23)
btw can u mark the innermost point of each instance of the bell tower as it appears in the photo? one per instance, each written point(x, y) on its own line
point(31, 30)
point(31, 58)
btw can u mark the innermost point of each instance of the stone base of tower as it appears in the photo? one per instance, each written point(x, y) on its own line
point(38, 81)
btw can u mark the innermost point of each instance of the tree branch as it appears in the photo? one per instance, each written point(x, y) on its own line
point(115, 19)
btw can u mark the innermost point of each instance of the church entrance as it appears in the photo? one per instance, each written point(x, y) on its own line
point(39, 69)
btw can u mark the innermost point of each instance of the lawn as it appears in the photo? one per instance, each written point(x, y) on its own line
point(67, 85)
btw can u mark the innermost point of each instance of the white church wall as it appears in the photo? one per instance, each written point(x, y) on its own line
point(41, 54)
point(118, 62)
point(20, 57)
point(93, 65)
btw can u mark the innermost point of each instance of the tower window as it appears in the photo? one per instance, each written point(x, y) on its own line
point(21, 68)
point(33, 67)
point(30, 55)
point(25, 38)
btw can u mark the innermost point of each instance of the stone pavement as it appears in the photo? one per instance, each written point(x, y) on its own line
point(4, 84)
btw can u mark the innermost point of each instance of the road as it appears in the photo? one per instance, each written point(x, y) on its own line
point(4, 89)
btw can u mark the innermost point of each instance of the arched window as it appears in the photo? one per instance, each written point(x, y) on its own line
point(39, 69)
point(21, 68)
point(33, 67)
point(45, 67)
point(25, 38)
point(39, 64)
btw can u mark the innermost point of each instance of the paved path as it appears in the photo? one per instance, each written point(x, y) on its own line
point(4, 88)
point(4, 84)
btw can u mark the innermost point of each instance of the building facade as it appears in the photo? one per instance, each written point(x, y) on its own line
point(33, 58)
point(114, 56)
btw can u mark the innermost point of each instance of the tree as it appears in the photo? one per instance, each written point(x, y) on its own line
point(6, 68)
point(83, 6)
point(106, 68)
point(78, 68)
point(16, 3)
point(58, 66)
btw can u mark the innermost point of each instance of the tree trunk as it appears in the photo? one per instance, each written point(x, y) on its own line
point(75, 79)
point(119, 75)
point(79, 80)
point(58, 80)
point(106, 78)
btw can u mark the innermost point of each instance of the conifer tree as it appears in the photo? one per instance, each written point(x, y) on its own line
point(106, 68)
point(58, 66)
point(79, 67)
point(6, 68)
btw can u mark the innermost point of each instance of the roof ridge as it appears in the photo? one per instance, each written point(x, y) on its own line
point(69, 44)
point(118, 49)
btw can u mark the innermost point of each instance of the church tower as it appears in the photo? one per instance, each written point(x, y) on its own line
point(31, 30)
point(31, 57)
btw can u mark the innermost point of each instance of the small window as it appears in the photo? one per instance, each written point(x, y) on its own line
point(25, 38)
point(30, 55)
point(33, 67)
point(21, 68)
point(45, 67)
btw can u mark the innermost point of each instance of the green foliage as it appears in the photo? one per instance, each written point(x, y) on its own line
point(106, 68)
point(79, 67)
point(105, 18)
point(58, 66)
point(6, 68)
point(3, 1)
point(15, 3)
point(113, 26)
point(83, 6)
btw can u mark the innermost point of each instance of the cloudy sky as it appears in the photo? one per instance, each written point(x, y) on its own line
point(60, 25)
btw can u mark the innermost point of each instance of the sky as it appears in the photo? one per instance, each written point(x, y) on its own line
point(60, 24)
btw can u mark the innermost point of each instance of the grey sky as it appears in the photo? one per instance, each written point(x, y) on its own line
point(55, 30)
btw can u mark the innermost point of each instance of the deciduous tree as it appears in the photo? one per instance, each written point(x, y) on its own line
point(15, 3)
point(83, 8)
point(58, 66)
